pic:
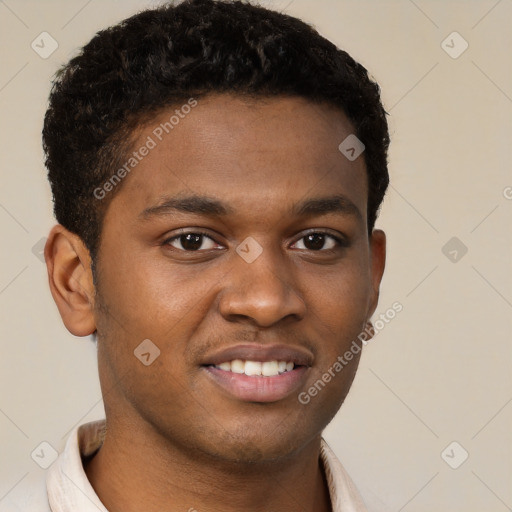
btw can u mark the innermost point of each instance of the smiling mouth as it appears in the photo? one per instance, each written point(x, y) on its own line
point(256, 368)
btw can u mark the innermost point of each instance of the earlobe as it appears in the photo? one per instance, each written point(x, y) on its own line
point(70, 278)
point(378, 263)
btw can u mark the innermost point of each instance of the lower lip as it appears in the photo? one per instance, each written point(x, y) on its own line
point(258, 389)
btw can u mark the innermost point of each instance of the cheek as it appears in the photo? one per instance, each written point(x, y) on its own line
point(339, 316)
point(152, 294)
point(340, 298)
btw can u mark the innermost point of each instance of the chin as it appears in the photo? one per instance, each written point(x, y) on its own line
point(257, 445)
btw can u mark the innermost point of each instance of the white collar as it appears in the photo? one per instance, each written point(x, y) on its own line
point(69, 490)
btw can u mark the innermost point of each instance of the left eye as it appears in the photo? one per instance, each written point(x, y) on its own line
point(317, 239)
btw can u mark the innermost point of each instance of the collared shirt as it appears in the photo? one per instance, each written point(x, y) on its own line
point(67, 488)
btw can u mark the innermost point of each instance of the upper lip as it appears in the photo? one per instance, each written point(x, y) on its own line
point(257, 352)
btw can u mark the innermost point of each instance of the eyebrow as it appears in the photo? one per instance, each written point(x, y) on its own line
point(337, 204)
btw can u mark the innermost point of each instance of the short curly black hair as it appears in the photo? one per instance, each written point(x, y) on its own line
point(166, 55)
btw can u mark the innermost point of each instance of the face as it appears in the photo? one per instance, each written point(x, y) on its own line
point(240, 236)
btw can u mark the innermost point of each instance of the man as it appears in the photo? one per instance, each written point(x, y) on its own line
point(217, 170)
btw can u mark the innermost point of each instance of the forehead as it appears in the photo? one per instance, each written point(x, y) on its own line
point(253, 154)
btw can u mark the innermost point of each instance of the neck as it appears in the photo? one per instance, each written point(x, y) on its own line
point(136, 469)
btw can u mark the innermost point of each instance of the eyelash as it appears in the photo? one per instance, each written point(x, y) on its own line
point(340, 241)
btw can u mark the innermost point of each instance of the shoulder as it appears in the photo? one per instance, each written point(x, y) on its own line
point(34, 491)
point(345, 495)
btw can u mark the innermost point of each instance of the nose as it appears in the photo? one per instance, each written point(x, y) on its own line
point(263, 292)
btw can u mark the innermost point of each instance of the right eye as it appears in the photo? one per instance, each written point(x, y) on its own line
point(190, 241)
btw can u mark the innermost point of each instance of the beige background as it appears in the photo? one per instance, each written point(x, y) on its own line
point(440, 371)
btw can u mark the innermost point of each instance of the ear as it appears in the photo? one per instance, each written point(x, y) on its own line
point(377, 262)
point(69, 272)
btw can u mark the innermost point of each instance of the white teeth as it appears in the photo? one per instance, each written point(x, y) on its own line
point(270, 368)
point(252, 368)
point(258, 368)
point(237, 366)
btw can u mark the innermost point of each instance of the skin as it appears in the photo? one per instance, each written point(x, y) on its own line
point(175, 440)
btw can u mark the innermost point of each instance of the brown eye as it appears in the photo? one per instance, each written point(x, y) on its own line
point(190, 242)
point(316, 241)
